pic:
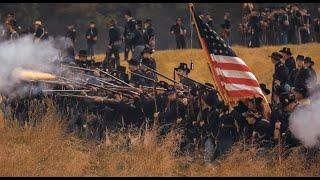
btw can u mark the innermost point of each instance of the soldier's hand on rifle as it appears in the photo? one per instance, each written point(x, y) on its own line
point(201, 122)
point(109, 46)
point(277, 125)
point(83, 93)
point(179, 120)
point(94, 89)
point(156, 115)
point(98, 99)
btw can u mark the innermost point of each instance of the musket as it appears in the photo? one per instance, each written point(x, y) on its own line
point(108, 89)
point(116, 78)
point(209, 87)
point(160, 74)
point(78, 96)
point(100, 80)
point(47, 81)
point(147, 87)
point(140, 75)
point(72, 81)
point(78, 68)
point(163, 89)
point(67, 90)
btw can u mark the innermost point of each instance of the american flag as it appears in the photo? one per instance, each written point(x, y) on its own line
point(231, 75)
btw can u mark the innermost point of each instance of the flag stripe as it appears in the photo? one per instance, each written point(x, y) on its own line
point(241, 93)
point(235, 80)
point(231, 66)
point(227, 59)
point(236, 74)
point(232, 87)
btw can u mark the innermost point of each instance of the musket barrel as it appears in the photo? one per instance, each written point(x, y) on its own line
point(67, 90)
point(116, 78)
point(79, 68)
point(142, 76)
point(160, 74)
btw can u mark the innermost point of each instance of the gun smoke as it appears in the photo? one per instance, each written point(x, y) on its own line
point(24, 53)
point(304, 122)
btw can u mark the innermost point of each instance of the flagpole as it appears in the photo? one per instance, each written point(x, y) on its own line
point(216, 82)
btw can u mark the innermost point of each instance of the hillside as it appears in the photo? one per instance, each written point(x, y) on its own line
point(46, 150)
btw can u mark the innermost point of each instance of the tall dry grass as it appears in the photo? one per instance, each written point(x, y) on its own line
point(46, 150)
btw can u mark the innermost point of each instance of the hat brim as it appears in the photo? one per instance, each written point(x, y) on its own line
point(285, 52)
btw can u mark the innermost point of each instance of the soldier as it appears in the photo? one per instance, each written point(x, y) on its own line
point(301, 75)
point(284, 25)
point(280, 75)
point(71, 33)
point(302, 100)
point(297, 22)
point(129, 27)
point(92, 37)
point(114, 45)
point(225, 131)
point(39, 33)
point(146, 57)
point(70, 50)
point(254, 24)
point(149, 34)
point(290, 63)
point(182, 72)
point(134, 67)
point(138, 42)
point(279, 121)
point(207, 123)
point(179, 31)
point(147, 73)
point(122, 74)
point(226, 28)
point(161, 87)
point(174, 114)
point(83, 61)
point(12, 20)
point(256, 128)
point(13, 35)
point(308, 63)
point(301, 94)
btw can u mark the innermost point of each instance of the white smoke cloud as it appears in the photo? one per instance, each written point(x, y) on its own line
point(25, 53)
point(304, 122)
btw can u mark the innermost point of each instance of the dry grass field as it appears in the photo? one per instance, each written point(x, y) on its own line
point(46, 150)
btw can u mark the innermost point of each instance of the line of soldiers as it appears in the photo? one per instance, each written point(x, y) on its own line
point(96, 99)
point(278, 25)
